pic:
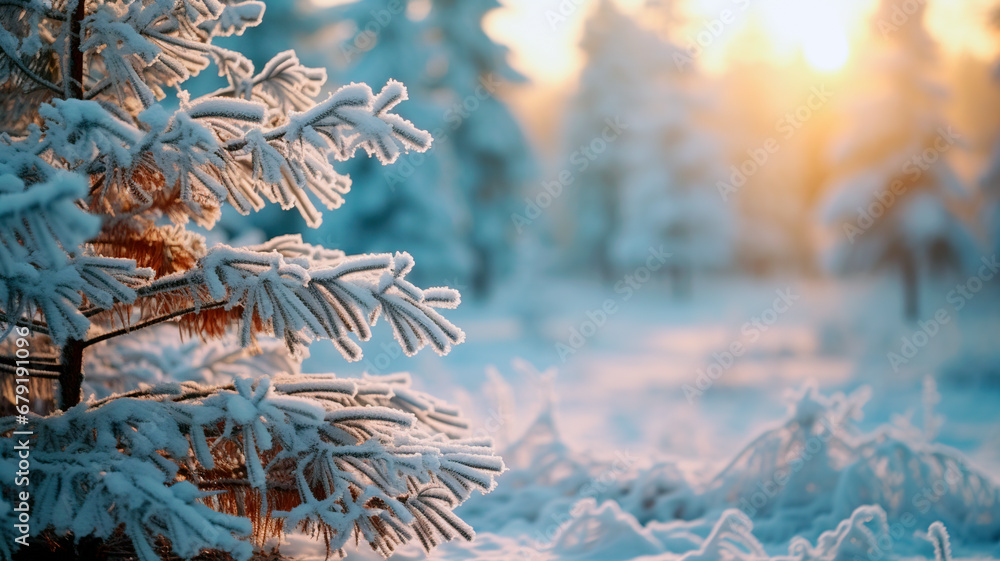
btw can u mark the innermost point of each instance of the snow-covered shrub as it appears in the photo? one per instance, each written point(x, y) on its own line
point(606, 532)
point(814, 482)
point(97, 182)
point(816, 468)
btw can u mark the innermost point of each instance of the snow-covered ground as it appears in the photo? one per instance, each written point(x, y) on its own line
point(637, 425)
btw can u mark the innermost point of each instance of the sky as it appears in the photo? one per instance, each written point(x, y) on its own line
point(543, 34)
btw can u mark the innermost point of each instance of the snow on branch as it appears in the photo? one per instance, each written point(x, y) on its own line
point(264, 137)
point(58, 293)
point(159, 355)
point(299, 300)
point(41, 225)
point(284, 84)
point(338, 455)
point(41, 266)
point(221, 148)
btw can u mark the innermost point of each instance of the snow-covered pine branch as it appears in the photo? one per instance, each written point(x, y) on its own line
point(283, 84)
point(347, 457)
point(131, 51)
point(276, 289)
point(218, 149)
point(160, 355)
point(41, 267)
point(240, 145)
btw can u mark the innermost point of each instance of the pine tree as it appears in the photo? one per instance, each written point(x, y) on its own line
point(414, 205)
point(491, 152)
point(98, 180)
point(890, 193)
point(651, 186)
point(609, 44)
point(669, 199)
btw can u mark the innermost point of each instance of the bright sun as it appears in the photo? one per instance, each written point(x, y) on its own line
point(818, 29)
point(826, 52)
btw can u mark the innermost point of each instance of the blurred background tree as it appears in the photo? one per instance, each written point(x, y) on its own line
point(891, 189)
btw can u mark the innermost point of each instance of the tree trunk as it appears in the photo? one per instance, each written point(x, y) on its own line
point(482, 277)
point(71, 378)
point(681, 282)
point(911, 288)
point(604, 267)
point(75, 86)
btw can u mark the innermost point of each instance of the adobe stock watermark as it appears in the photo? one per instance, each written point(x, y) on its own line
point(710, 31)
point(786, 127)
point(562, 12)
point(750, 332)
point(580, 161)
point(957, 298)
point(902, 12)
point(912, 170)
point(597, 318)
point(22, 399)
point(454, 115)
point(367, 34)
point(922, 502)
point(770, 487)
point(593, 489)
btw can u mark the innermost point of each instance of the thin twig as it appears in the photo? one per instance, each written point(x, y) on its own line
point(11, 361)
point(35, 326)
point(32, 373)
point(97, 88)
point(151, 322)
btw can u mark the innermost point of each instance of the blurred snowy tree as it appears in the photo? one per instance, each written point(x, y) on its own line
point(889, 199)
point(449, 207)
point(493, 157)
point(610, 42)
point(647, 166)
point(669, 198)
point(991, 179)
point(414, 205)
point(97, 182)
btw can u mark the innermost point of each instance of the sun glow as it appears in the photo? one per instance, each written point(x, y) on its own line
point(826, 34)
point(818, 30)
point(826, 52)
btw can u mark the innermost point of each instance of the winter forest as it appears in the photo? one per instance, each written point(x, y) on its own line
point(501, 280)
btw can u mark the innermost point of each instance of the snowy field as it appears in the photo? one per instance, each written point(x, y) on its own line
point(777, 398)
